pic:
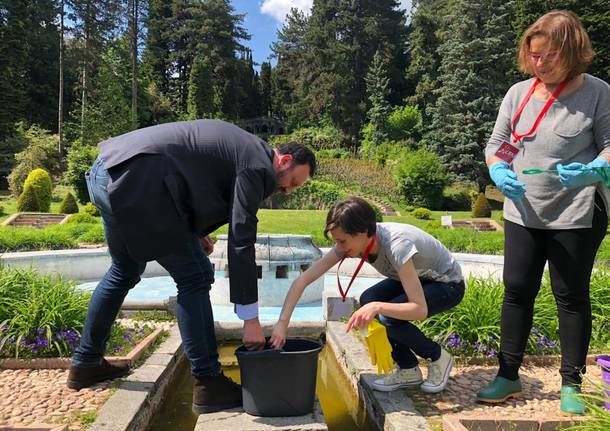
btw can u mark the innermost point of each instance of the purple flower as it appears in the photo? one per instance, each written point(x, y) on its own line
point(40, 331)
point(5, 327)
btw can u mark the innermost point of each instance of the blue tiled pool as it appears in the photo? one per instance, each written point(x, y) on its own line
point(160, 288)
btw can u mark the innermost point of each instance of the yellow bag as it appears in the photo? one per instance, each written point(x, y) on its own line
point(380, 349)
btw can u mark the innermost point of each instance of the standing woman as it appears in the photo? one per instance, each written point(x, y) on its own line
point(558, 119)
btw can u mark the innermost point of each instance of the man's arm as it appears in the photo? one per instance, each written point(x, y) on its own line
point(247, 195)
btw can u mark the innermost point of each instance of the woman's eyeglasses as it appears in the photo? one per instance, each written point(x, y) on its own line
point(549, 56)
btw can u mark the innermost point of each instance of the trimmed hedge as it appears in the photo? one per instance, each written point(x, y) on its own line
point(481, 207)
point(68, 204)
point(40, 181)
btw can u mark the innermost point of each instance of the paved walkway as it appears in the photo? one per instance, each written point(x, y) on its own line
point(541, 386)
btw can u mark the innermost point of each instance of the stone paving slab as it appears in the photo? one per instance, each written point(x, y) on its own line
point(237, 419)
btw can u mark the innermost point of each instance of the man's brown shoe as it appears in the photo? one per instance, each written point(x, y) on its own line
point(214, 393)
point(83, 377)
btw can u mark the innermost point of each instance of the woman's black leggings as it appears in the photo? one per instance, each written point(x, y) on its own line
point(570, 254)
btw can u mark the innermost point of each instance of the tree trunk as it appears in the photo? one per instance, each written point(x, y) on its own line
point(60, 109)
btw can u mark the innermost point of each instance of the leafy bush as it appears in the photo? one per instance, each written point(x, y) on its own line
point(54, 237)
point(91, 209)
point(68, 204)
point(378, 213)
point(320, 138)
point(314, 194)
point(28, 200)
point(388, 154)
point(404, 123)
point(481, 207)
point(335, 153)
point(40, 152)
point(82, 218)
point(40, 180)
point(422, 213)
point(456, 198)
point(80, 158)
point(422, 178)
point(360, 175)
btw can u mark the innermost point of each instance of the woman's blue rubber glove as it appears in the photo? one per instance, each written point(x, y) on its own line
point(579, 175)
point(506, 181)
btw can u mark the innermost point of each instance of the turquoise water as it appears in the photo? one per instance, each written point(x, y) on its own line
point(160, 288)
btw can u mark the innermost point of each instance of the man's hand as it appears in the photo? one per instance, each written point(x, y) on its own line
point(278, 336)
point(254, 338)
point(207, 244)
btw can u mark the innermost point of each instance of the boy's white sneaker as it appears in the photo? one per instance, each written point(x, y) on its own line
point(399, 378)
point(438, 373)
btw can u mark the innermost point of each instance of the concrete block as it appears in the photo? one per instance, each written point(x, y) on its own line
point(237, 419)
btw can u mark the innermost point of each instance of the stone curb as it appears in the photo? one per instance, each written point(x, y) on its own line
point(133, 405)
point(231, 331)
point(388, 410)
point(64, 363)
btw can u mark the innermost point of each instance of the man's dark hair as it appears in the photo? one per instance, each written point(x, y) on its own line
point(353, 215)
point(300, 155)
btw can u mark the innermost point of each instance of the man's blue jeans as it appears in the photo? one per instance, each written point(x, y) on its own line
point(408, 340)
point(190, 268)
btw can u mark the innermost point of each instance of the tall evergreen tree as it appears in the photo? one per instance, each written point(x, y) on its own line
point(265, 90)
point(201, 90)
point(377, 85)
point(473, 81)
point(157, 47)
point(427, 27)
point(289, 51)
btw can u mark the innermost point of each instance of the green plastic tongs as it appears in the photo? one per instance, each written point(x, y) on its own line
point(604, 173)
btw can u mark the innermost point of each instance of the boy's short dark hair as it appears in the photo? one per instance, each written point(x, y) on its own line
point(353, 215)
point(300, 155)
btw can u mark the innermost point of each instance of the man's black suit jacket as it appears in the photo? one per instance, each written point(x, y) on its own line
point(174, 180)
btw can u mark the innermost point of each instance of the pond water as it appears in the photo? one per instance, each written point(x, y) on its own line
point(337, 398)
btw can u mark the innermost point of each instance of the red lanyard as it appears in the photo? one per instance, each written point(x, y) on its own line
point(542, 113)
point(364, 256)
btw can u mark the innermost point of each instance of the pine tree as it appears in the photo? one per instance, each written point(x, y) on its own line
point(265, 90)
point(201, 90)
point(377, 85)
point(473, 81)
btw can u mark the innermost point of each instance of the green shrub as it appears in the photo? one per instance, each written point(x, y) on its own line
point(404, 123)
point(40, 180)
point(68, 204)
point(457, 198)
point(80, 158)
point(316, 138)
point(91, 209)
point(378, 213)
point(40, 152)
point(335, 153)
point(422, 178)
point(389, 153)
point(82, 218)
point(481, 207)
point(314, 194)
point(93, 235)
point(422, 213)
point(28, 200)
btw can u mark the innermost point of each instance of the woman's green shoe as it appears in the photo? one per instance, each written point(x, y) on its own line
point(500, 390)
point(571, 403)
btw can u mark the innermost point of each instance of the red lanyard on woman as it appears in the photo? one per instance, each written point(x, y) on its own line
point(542, 113)
point(364, 256)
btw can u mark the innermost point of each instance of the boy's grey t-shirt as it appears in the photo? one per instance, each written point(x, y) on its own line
point(399, 242)
point(576, 128)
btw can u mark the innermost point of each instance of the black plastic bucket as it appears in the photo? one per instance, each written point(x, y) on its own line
point(279, 382)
